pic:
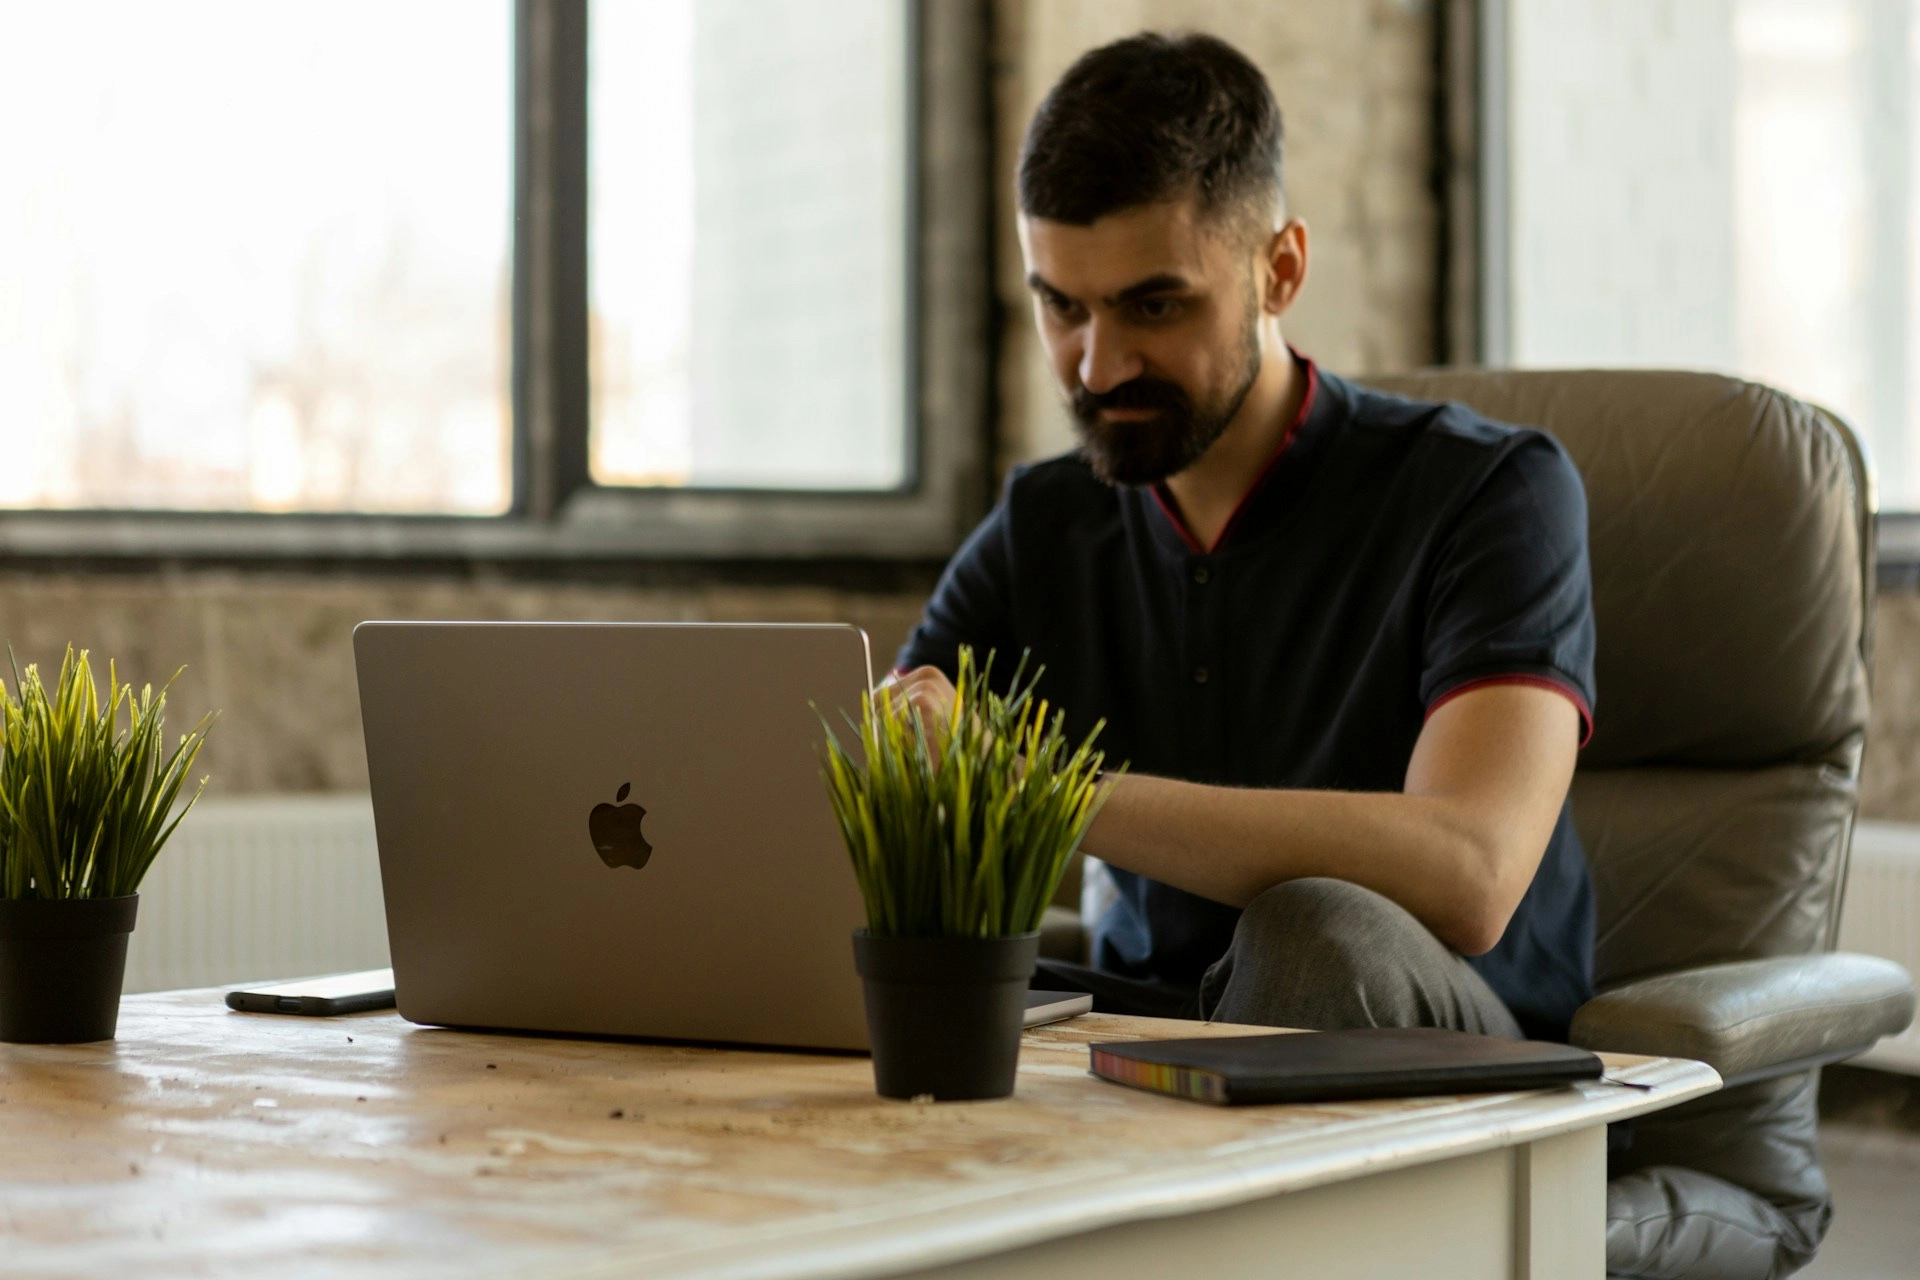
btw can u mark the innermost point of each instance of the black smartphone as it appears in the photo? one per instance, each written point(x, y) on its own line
point(321, 997)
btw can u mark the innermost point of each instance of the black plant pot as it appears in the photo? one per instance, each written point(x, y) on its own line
point(61, 964)
point(944, 1014)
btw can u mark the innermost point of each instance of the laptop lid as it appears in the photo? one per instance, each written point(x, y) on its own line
point(614, 828)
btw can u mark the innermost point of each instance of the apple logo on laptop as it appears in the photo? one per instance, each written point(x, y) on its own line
point(616, 832)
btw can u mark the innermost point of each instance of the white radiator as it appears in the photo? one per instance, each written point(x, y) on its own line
point(261, 887)
point(1881, 917)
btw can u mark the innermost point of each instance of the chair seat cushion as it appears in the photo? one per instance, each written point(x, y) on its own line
point(1749, 1017)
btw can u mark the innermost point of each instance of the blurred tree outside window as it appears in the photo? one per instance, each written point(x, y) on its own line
point(255, 257)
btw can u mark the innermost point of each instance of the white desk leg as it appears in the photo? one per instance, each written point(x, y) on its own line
point(1560, 1214)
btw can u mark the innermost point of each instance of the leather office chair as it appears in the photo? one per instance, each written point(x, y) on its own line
point(1733, 572)
point(1732, 547)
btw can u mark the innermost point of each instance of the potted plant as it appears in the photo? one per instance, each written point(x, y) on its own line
point(84, 806)
point(959, 833)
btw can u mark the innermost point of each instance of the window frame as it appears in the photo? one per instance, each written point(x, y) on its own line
point(557, 513)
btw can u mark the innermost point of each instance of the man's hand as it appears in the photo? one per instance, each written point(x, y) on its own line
point(926, 690)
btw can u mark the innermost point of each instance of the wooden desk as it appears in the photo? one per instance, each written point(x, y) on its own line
point(208, 1143)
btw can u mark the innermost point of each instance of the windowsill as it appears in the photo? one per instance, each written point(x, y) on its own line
point(434, 550)
point(595, 525)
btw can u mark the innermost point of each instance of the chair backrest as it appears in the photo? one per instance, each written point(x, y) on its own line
point(1731, 537)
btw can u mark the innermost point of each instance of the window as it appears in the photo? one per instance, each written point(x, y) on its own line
point(548, 278)
point(1726, 185)
point(749, 200)
point(246, 265)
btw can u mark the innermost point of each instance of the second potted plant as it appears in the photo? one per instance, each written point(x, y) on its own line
point(959, 833)
point(84, 807)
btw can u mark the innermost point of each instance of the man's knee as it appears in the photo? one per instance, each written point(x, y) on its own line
point(1324, 953)
point(1326, 921)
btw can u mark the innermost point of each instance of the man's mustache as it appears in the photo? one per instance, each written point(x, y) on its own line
point(1138, 393)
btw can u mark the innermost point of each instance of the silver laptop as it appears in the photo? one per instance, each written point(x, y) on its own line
point(614, 828)
point(618, 828)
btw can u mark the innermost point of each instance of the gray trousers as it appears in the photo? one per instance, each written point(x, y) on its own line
point(1319, 954)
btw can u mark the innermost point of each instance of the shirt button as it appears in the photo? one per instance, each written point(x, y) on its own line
point(1200, 675)
point(1201, 574)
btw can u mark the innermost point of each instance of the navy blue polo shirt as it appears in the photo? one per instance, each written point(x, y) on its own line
point(1394, 554)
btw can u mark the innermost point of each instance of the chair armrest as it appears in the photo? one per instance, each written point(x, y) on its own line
point(1754, 1018)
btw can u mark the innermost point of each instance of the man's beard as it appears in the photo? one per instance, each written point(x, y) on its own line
point(1143, 451)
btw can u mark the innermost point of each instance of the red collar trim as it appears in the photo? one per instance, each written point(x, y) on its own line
point(1174, 519)
point(1164, 497)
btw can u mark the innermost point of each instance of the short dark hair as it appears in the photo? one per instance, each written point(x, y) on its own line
point(1151, 118)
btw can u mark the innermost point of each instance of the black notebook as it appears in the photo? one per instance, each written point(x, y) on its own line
point(1327, 1066)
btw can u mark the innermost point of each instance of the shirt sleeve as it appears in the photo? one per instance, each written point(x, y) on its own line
point(1511, 595)
point(972, 605)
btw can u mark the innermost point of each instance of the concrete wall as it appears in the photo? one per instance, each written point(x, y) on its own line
point(274, 654)
point(272, 650)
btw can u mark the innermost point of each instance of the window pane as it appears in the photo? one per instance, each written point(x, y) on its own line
point(749, 207)
point(1811, 210)
point(254, 256)
point(1727, 186)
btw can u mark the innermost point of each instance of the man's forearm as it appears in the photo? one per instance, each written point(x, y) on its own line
point(1458, 847)
point(1230, 845)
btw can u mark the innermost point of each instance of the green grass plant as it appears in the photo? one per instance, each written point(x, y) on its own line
point(962, 829)
point(86, 804)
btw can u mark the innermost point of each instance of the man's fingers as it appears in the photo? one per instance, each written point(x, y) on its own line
point(901, 693)
point(901, 697)
point(910, 695)
point(923, 690)
point(923, 684)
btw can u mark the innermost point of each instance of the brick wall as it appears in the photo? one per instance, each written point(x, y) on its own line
point(1890, 781)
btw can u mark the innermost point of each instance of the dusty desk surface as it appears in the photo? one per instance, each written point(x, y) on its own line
point(209, 1143)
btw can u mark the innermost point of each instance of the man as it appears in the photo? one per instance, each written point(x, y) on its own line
point(1344, 640)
